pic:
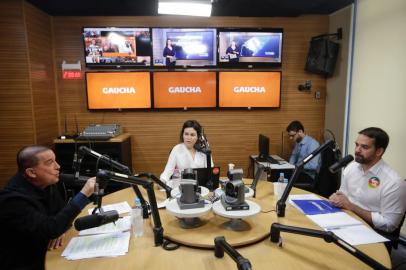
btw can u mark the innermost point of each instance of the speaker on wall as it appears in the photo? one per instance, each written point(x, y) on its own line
point(322, 56)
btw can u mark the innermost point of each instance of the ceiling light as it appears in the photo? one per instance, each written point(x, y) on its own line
point(185, 7)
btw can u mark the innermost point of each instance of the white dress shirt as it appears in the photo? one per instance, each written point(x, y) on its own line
point(379, 190)
point(181, 158)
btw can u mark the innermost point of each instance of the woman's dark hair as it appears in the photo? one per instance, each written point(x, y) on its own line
point(381, 138)
point(191, 124)
point(167, 41)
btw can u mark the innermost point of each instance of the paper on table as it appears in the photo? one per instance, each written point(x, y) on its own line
point(102, 245)
point(359, 235)
point(341, 224)
point(121, 208)
point(122, 224)
point(334, 220)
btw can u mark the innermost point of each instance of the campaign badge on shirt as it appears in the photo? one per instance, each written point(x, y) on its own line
point(373, 182)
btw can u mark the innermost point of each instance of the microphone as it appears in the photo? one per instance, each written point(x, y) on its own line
point(85, 150)
point(71, 179)
point(95, 220)
point(341, 163)
point(205, 141)
point(77, 161)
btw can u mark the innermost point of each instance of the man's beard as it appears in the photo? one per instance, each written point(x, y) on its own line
point(361, 159)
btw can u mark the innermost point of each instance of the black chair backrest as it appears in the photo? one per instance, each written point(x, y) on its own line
point(326, 182)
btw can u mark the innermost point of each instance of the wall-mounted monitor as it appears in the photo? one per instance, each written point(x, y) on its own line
point(118, 90)
point(184, 47)
point(249, 89)
point(250, 48)
point(117, 46)
point(184, 89)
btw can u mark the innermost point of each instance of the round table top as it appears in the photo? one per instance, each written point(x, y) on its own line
point(172, 208)
point(254, 209)
point(297, 251)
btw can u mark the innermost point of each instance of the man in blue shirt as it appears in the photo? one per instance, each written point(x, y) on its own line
point(305, 145)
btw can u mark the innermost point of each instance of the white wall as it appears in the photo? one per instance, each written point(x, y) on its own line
point(336, 90)
point(378, 95)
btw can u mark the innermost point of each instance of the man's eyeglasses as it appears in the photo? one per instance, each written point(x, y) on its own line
point(291, 135)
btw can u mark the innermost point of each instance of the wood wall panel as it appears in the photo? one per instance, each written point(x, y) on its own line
point(15, 92)
point(41, 64)
point(233, 134)
point(27, 92)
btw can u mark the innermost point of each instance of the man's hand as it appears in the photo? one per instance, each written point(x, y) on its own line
point(339, 199)
point(56, 243)
point(88, 188)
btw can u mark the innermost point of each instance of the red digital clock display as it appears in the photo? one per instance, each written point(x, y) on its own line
point(71, 74)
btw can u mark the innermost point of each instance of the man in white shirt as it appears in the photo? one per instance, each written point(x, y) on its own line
point(370, 187)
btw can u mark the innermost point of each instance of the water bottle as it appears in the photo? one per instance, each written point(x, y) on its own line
point(281, 178)
point(137, 222)
point(281, 185)
point(176, 177)
point(285, 183)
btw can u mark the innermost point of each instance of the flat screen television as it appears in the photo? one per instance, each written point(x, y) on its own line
point(249, 89)
point(117, 46)
point(184, 47)
point(184, 90)
point(250, 48)
point(118, 90)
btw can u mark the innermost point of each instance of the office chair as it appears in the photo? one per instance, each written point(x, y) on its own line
point(309, 184)
point(392, 236)
point(327, 182)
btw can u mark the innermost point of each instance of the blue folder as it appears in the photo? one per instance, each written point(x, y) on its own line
point(315, 207)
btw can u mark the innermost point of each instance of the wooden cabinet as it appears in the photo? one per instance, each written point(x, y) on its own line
point(117, 148)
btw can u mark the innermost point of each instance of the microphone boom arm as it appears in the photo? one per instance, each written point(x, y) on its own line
point(258, 174)
point(148, 185)
point(329, 237)
point(158, 181)
point(281, 204)
point(120, 167)
point(221, 245)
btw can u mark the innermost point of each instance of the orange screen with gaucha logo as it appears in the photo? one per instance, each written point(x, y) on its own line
point(118, 90)
point(249, 89)
point(184, 89)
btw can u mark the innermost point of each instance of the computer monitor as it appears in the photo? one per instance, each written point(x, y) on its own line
point(263, 147)
point(208, 177)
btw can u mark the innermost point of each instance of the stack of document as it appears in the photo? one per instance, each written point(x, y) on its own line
point(333, 219)
point(101, 245)
point(108, 240)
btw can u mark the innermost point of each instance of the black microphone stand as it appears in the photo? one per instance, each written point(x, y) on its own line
point(158, 181)
point(281, 204)
point(205, 148)
point(261, 168)
point(120, 167)
point(221, 245)
point(148, 185)
point(329, 237)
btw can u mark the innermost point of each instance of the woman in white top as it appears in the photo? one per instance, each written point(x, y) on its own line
point(185, 154)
